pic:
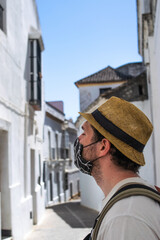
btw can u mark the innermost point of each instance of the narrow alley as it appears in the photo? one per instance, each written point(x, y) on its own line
point(69, 221)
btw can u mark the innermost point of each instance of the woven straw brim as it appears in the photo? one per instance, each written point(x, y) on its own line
point(124, 148)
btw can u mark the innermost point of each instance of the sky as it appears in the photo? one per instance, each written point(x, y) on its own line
point(80, 38)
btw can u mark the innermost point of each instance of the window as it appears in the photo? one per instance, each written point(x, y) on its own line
point(103, 90)
point(66, 181)
point(65, 145)
point(64, 153)
point(39, 177)
point(49, 145)
point(67, 153)
point(45, 174)
point(57, 148)
point(3, 9)
point(53, 153)
point(66, 139)
point(1, 18)
point(140, 87)
point(35, 74)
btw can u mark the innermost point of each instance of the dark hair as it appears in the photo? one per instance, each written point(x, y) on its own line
point(117, 157)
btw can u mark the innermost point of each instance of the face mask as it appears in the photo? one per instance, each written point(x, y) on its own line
point(83, 165)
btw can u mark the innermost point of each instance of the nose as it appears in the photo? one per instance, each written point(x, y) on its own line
point(79, 138)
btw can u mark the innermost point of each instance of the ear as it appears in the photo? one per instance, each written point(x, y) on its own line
point(105, 146)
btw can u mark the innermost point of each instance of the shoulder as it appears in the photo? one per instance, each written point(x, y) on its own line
point(136, 212)
point(140, 207)
point(124, 228)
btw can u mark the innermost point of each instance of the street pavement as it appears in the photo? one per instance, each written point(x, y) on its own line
point(69, 221)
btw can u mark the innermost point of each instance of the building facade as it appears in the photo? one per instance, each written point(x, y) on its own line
point(91, 87)
point(21, 118)
point(148, 13)
point(61, 178)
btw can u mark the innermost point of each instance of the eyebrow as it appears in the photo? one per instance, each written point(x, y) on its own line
point(84, 126)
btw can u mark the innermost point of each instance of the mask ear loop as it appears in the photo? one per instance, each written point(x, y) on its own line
point(90, 144)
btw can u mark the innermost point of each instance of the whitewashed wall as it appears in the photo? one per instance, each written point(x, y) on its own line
point(91, 92)
point(147, 172)
point(154, 57)
point(23, 127)
point(150, 51)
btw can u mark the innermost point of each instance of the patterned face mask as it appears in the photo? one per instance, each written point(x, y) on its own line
point(83, 165)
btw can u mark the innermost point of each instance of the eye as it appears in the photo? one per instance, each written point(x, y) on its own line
point(83, 133)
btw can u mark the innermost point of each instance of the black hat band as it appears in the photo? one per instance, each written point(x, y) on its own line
point(116, 131)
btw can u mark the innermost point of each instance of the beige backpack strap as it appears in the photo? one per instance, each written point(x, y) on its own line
point(125, 191)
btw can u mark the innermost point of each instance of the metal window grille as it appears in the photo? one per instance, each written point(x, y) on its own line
point(35, 74)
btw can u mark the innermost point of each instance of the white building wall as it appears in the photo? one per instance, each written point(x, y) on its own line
point(147, 172)
point(154, 70)
point(14, 113)
point(91, 92)
point(62, 177)
point(149, 49)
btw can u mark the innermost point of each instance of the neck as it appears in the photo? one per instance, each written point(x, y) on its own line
point(107, 175)
point(107, 186)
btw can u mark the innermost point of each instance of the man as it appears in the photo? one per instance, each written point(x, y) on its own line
point(111, 150)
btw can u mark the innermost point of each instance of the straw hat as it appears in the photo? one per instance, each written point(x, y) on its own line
point(124, 125)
